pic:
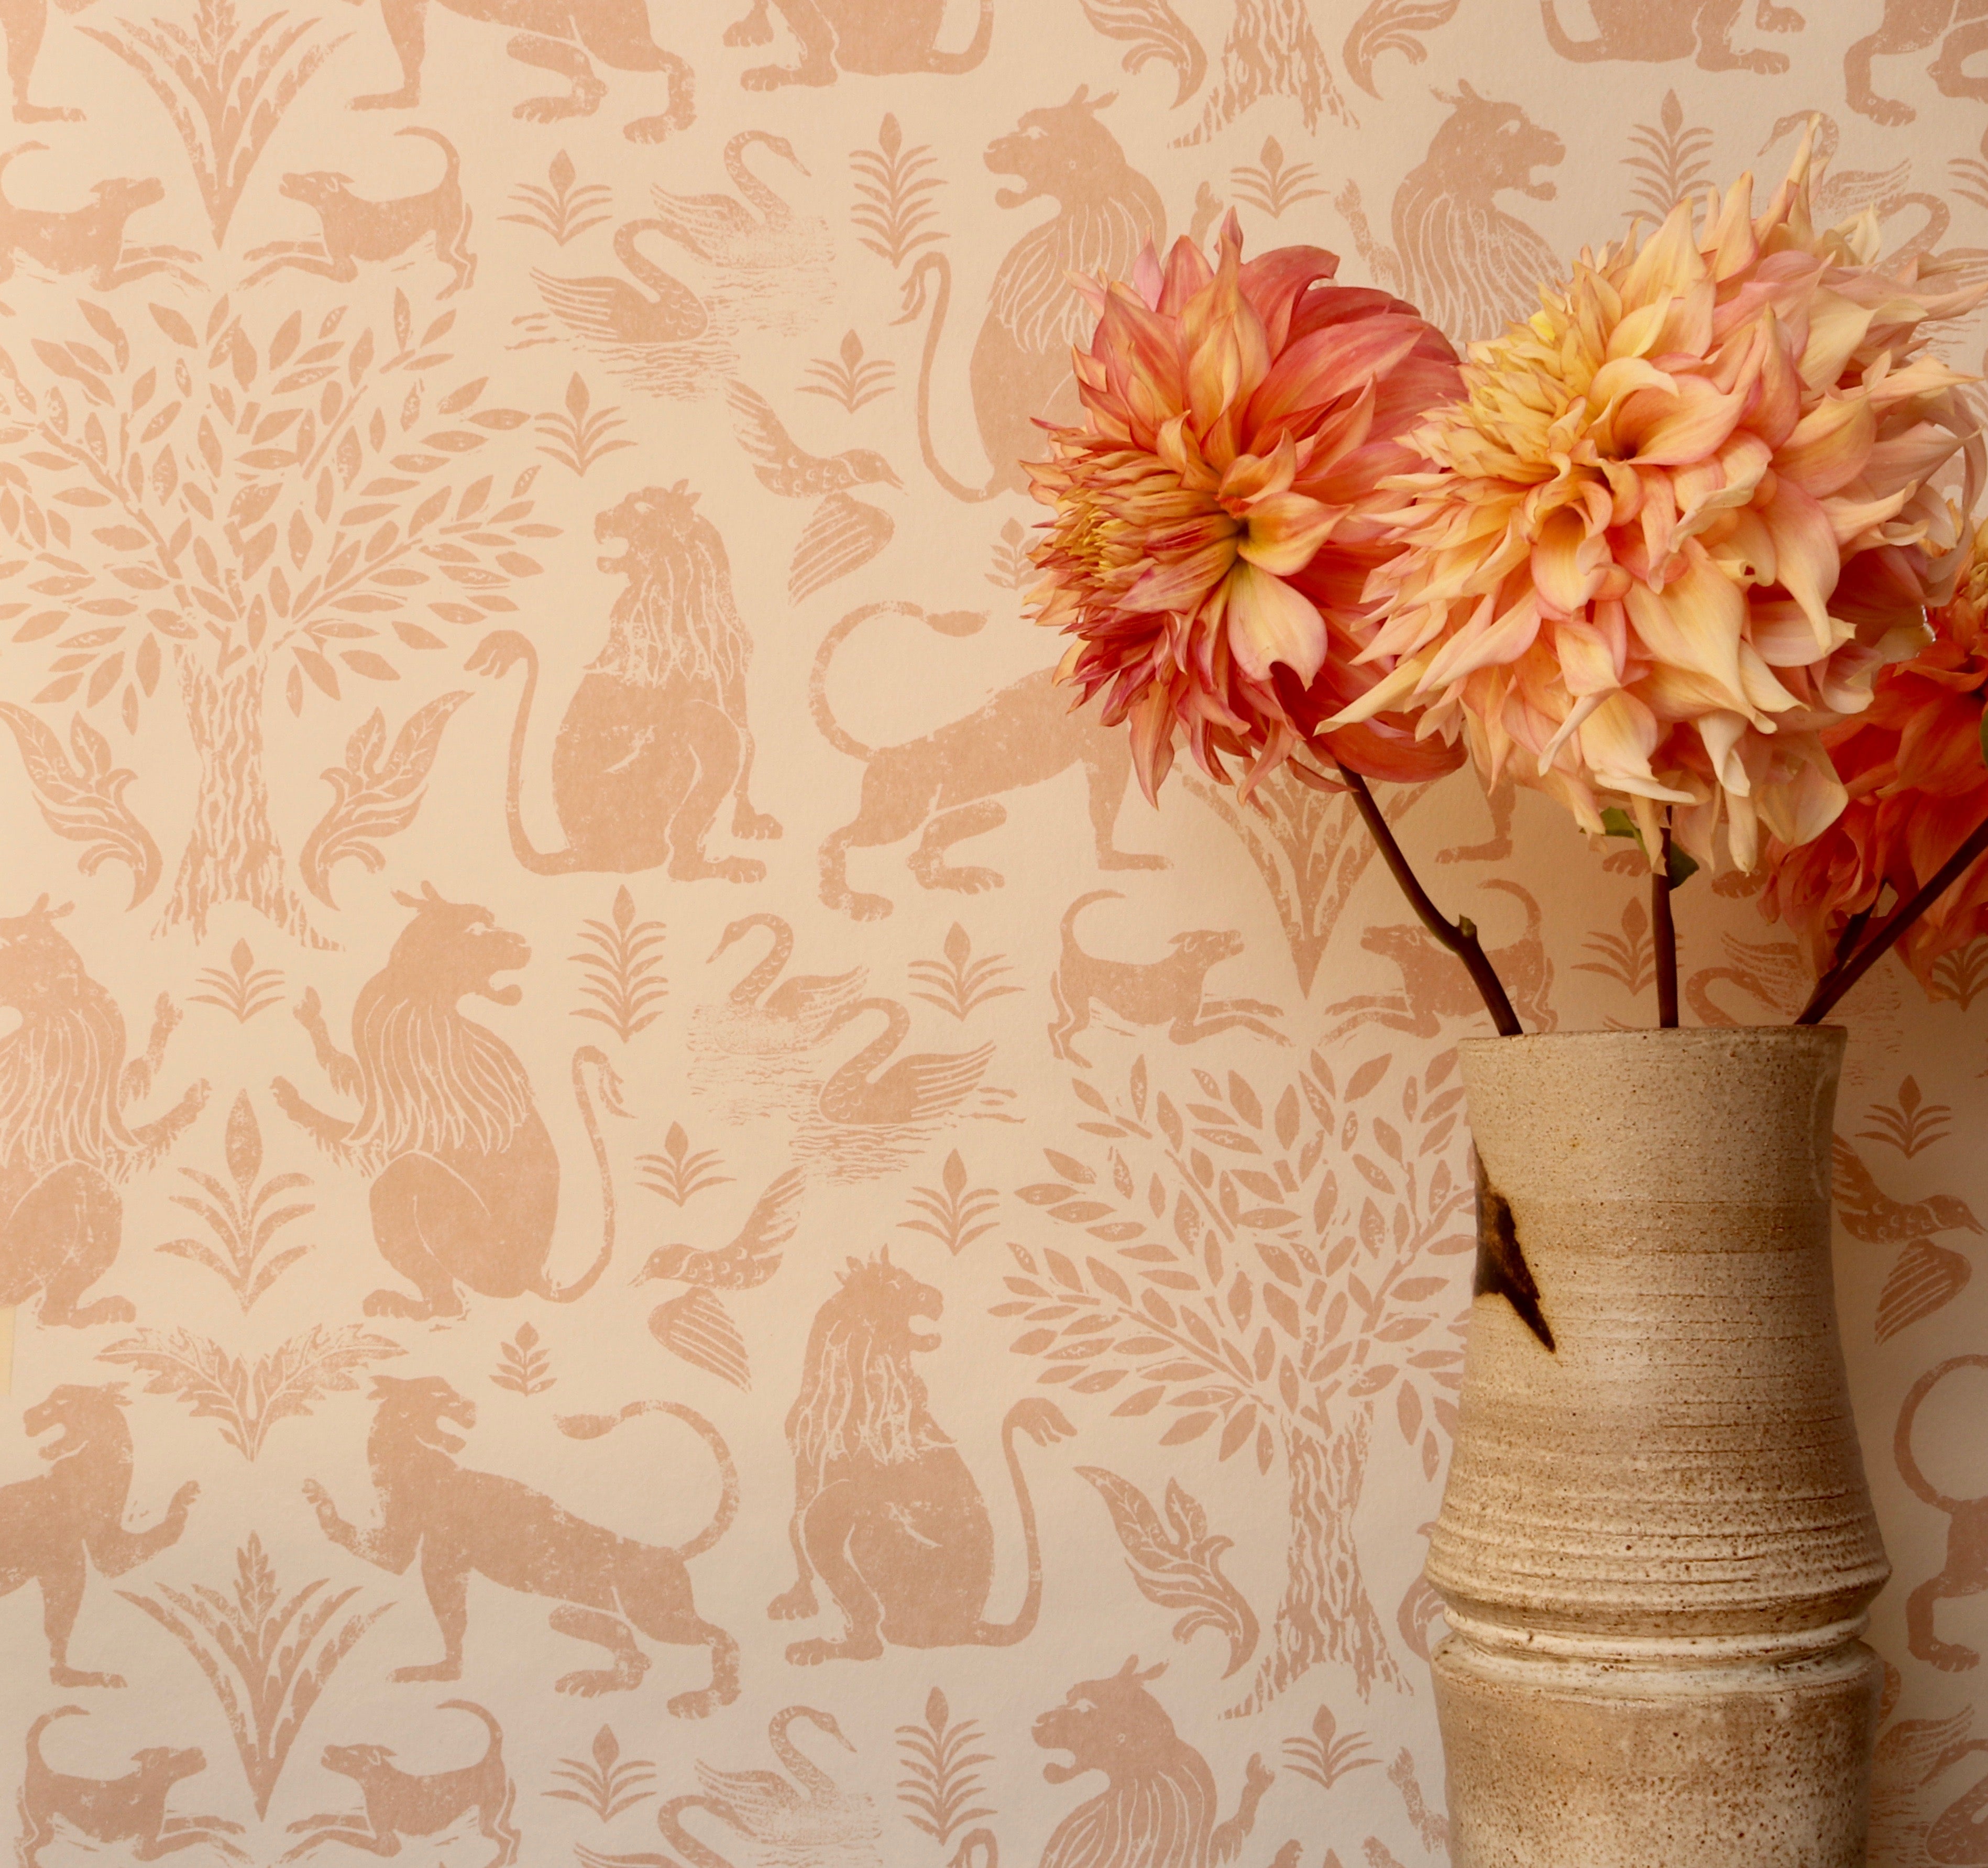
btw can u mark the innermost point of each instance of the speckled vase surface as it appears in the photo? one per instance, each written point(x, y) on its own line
point(1656, 1549)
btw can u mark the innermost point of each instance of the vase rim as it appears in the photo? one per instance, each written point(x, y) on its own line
point(1693, 1037)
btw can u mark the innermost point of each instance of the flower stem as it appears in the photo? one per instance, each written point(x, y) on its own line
point(1846, 973)
point(1663, 933)
point(1459, 936)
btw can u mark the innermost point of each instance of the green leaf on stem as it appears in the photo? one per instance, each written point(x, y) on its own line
point(1616, 821)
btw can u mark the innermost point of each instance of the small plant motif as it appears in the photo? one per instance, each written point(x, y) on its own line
point(1909, 1125)
point(607, 1785)
point(564, 211)
point(82, 799)
point(248, 1399)
point(578, 438)
point(939, 1783)
point(1671, 162)
point(1962, 974)
point(242, 1218)
point(1177, 1563)
point(224, 86)
point(267, 1659)
point(242, 990)
point(1154, 30)
point(1629, 958)
point(1013, 570)
point(894, 188)
point(1327, 1756)
point(1391, 25)
point(959, 984)
point(521, 1366)
point(678, 1174)
point(1272, 186)
point(953, 1213)
point(621, 967)
point(854, 379)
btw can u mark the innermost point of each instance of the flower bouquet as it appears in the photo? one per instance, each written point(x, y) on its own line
point(1690, 551)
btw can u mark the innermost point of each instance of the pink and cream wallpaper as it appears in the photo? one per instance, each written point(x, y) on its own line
point(647, 1214)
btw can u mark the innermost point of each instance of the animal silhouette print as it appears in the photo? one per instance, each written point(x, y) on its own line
point(886, 1513)
point(1106, 212)
point(461, 1522)
point(1966, 1571)
point(947, 784)
point(875, 38)
point(1172, 991)
point(64, 1090)
point(554, 35)
point(87, 239)
point(798, 1812)
point(129, 1810)
point(25, 23)
point(400, 1804)
point(1470, 265)
point(610, 311)
point(754, 229)
point(655, 737)
point(353, 228)
point(1960, 28)
point(48, 1524)
point(1654, 31)
point(1158, 1807)
point(466, 1179)
point(876, 1088)
point(764, 1012)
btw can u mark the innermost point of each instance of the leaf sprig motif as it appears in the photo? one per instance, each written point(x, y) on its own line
point(894, 185)
point(621, 969)
point(243, 1219)
point(607, 1785)
point(939, 1783)
point(243, 989)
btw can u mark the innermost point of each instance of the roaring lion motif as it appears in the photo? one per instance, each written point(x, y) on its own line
point(885, 1511)
point(655, 736)
point(1157, 1809)
point(467, 1179)
point(64, 1085)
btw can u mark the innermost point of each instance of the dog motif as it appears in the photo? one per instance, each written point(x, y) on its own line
point(48, 1524)
point(87, 239)
point(876, 38)
point(1172, 991)
point(466, 1178)
point(399, 1804)
point(130, 1809)
point(1654, 31)
point(353, 228)
point(1958, 27)
point(948, 783)
point(461, 1522)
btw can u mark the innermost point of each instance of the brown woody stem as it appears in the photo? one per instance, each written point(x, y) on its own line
point(1846, 973)
point(1663, 933)
point(1460, 937)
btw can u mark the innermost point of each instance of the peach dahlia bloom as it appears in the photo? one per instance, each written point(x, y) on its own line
point(1913, 764)
point(1680, 519)
point(1215, 515)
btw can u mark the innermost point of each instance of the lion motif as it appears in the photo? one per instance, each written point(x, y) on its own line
point(64, 1086)
point(466, 1178)
point(655, 736)
point(885, 1511)
point(1158, 1808)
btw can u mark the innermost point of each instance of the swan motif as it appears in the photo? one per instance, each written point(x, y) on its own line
point(720, 228)
point(912, 1089)
point(611, 310)
point(669, 1820)
point(809, 1813)
point(799, 1009)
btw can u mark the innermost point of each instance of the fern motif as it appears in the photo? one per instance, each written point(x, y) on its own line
point(1910, 1124)
point(854, 379)
point(1271, 186)
point(1391, 25)
point(1629, 958)
point(1962, 973)
point(607, 1785)
point(267, 1660)
point(678, 1174)
point(894, 207)
point(242, 1219)
point(577, 438)
point(521, 1366)
point(84, 800)
point(1013, 569)
point(1672, 161)
point(1326, 1757)
point(564, 211)
point(376, 793)
point(954, 1214)
point(248, 1400)
point(1154, 30)
point(939, 1784)
point(959, 984)
point(620, 967)
point(244, 990)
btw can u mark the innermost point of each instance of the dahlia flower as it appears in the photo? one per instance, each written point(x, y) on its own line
point(1216, 515)
point(1913, 766)
point(1679, 520)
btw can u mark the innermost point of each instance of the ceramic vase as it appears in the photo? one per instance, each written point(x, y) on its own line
point(1656, 1548)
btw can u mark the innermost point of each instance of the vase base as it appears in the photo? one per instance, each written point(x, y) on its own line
point(1754, 1766)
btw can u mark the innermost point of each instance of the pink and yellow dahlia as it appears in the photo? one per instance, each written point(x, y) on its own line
point(1216, 515)
point(1679, 520)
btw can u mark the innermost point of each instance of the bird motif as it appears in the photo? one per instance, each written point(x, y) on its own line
point(1873, 1216)
point(809, 1813)
point(1841, 194)
point(844, 535)
point(669, 1819)
point(611, 310)
point(912, 1089)
point(761, 1015)
point(1911, 1754)
point(720, 229)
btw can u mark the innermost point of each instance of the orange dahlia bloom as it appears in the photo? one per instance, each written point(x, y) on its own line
point(1916, 767)
point(1678, 521)
point(1216, 515)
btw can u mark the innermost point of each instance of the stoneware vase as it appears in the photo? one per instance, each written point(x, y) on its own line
point(1656, 1550)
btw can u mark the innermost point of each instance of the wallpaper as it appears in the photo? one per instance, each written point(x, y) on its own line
point(649, 1216)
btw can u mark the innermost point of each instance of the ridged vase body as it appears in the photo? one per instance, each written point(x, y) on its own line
point(1656, 1549)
